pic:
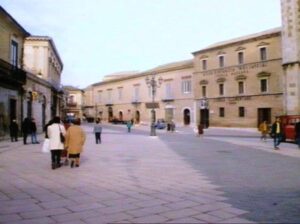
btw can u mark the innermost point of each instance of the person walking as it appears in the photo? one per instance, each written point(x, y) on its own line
point(277, 132)
point(129, 125)
point(54, 131)
point(98, 131)
point(14, 130)
point(32, 131)
point(297, 131)
point(75, 139)
point(263, 128)
point(25, 129)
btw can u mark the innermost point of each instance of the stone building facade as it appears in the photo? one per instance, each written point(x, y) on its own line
point(24, 90)
point(238, 83)
point(74, 102)
point(125, 96)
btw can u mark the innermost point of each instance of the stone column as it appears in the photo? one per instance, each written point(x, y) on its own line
point(291, 55)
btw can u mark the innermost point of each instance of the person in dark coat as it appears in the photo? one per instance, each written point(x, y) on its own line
point(297, 131)
point(33, 132)
point(14, 129)
point(25, 129)
point(277, 133)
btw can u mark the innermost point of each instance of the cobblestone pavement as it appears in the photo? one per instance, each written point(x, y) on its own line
point(129, 178)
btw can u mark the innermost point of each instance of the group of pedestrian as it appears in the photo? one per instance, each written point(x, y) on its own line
point(60, 139)
point(28, 127)
point(277, 132)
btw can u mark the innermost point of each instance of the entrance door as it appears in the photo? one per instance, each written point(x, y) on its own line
point(110, 113)
point(137, 117)
point(204, 118)
point(186, 117)
point(120, 115)
point(263, 114)
point(12, 109)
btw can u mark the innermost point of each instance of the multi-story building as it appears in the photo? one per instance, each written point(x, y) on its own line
point(26, 89)
point(238, 83)
point(12, 75)
point(125, 96)
point(74, 102)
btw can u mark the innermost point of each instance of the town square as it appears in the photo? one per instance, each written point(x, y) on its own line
point(99, 124)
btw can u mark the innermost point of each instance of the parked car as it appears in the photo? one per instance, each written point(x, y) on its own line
point(288, 124)
point(160, 124)
point(117, 121)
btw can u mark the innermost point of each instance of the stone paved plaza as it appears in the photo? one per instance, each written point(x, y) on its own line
point(129, 178)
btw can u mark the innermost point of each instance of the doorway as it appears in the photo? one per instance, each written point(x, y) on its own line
point(12, 109)
point(204, 118)
point(263, 114)
point(120, 115)
point(137, 117)
point(186, 117)
point(110, 114)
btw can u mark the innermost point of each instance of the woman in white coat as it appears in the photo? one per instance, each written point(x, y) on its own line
point(55, 144)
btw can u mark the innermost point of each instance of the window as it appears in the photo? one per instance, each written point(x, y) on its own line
point(120, 93)
point(222, 112)
point(14, 53)
point(109, 96)
point(221, 89)
point(241, 58)
point(204, 64)
point(168, 91)
point(203, 91)
point(136, 93)
point(186, 86)
point(263, 85)
point(263, 53)
point(221, 61)
point(99, 96)
point(241, 87)
point(241, 111)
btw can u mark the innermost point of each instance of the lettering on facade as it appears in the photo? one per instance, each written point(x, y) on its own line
point(237, 70)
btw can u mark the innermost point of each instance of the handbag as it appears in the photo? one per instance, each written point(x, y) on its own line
point(45, 146)
point(62, 137)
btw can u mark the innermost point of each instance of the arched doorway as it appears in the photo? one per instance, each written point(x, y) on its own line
point(137, 117)
point(110, 113)
point(29, 104)
point(186, 117)
point(44, 111)
point(120, 115)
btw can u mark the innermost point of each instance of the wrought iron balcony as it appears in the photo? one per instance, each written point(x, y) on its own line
point(11, 74)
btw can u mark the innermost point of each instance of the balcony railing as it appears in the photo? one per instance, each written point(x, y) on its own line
point(11, 74)
point(71, 104)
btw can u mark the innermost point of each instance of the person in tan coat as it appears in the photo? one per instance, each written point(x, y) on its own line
point(75, 138)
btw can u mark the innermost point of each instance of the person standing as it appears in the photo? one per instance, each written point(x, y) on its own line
point(14, 130)
point(25, 129)
point(263, 128)
point(33, 131)
point(98, 131)
point(55, 144)
point(129, 125)
point(277, 132)
point(297, 131)
point(75, 139)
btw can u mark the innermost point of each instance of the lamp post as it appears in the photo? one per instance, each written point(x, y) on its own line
point(153, 84)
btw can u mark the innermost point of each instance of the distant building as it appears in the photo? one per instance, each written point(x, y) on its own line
point(74, 102)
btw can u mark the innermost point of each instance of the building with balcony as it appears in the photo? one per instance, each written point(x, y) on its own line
point(24, 90)
point(74, 102)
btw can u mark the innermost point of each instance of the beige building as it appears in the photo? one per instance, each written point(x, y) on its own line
point(74, 102)
point(30, 72)
point(125, 96)
point(239, 83)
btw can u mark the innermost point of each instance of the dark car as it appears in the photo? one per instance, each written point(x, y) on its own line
point(160, 124)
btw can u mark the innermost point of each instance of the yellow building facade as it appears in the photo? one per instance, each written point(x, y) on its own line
point(239, 83)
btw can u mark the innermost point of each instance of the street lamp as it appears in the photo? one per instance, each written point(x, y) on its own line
point(153, 84)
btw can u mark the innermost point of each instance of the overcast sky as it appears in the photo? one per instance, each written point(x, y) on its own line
point(99, 37)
